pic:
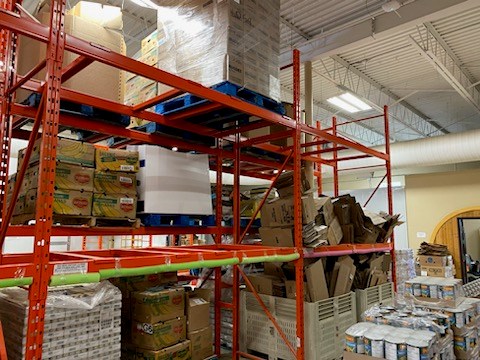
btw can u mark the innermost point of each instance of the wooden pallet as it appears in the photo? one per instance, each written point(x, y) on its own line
point(68, 220)
point(79, 220)
point(116, 222)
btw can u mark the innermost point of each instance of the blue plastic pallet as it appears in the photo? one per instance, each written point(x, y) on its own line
point(186, 101)
point(83, 110)
point(172, 220)
point(155, 128)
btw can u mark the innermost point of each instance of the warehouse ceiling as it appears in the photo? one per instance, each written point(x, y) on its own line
point(423, 60)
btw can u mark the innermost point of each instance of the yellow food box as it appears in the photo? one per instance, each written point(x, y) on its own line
point(68, 151)
point(67, 177)
point(65, 202)
point(115, 182)
point(114, 206)
point(180, 351)
point(159, 335)
point(116, 160)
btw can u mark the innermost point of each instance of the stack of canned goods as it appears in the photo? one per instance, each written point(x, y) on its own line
point(392, 343)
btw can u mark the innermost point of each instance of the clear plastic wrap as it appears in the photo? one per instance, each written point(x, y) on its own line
point(78, 319)
point(405, 268)
point(214, 41)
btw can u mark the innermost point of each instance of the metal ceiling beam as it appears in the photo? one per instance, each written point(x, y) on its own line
point(357, 131)
point(437, 52)
point(295, 28)
point(349, 78)
point(382, 26)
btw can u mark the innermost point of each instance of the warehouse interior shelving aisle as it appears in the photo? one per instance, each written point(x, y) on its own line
point(43, 268)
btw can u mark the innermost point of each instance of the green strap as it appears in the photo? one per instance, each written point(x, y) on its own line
point(147, 270)
point(270, 258)
point(71, 279)
point(24, 281)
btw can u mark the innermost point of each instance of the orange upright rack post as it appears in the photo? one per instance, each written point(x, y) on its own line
point(3, 349)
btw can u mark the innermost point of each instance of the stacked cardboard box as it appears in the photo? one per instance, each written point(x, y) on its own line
point(73, 179)
point(81, 322)
point(199, 329)
point(278, 216)
point(115, 183)
point(435, 260)
point(99, 24)
point(153, 321)
point(437, 266)
point(213, 41)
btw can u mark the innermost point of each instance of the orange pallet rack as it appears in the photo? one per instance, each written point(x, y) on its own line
point(38, 269)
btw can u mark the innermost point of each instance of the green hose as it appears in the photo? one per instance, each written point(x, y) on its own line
point(270, 258)
point(24, 281)
point(146, 270)
point(71, 279)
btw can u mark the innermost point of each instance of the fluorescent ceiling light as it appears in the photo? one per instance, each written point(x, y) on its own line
point(145, 3)
point(343, 104)
point(349, 102)
point(355, 101)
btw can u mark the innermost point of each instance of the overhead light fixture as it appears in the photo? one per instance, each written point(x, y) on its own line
point(349, 102)
point(391, 6)
point(145, 3)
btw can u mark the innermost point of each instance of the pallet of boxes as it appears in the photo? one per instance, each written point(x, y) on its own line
point(115, 186)
point(161, 320)
point(81, 321)
point(73, 195)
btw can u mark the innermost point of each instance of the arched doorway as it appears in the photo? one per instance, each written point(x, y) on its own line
point(446, 232)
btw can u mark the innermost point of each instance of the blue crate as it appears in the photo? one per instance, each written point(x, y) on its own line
point(173, 220)
point(187, 101)
point(155, 128)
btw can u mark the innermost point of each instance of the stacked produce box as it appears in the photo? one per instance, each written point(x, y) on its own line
point(162, 321)
point(73, 179)
point(115, 183)
point(435, 260)
point(81, 322)
point(88, 181)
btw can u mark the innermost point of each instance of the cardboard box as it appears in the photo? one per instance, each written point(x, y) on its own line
point(202, 343)
point(115, 183)
point(198, 309)
point(348, 232)
point(280, 212)
point(316, 281)
point(277, 236)
point(157, 336)
point(19, 205)
point(109, 17)
point(437, 271)
point(158, 304)
point(346, 273)
point(180, 351)
point(291, 290)
point(334, 232)
point(67, 177)
point(116, 160)
point(68, 151)
point(427, 260)
point(324, 205)
point(342, 212)
point(267, 284)
point(112, 83)
point(65, 202)
point(249, 206)
point(114, 206)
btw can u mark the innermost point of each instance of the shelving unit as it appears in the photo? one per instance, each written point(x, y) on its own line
point(43, 268)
